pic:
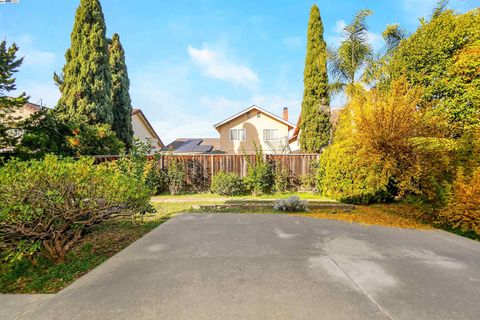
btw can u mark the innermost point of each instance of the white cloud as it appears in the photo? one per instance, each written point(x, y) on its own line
point(38, 58)
point(339, 26)
point(376, 40)
point(34, 57)
point(215, 64)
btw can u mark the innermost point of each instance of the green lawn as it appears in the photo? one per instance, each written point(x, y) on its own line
point(209, 196)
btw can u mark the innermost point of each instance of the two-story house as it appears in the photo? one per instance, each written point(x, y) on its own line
point(241, 133)
point(252, 127)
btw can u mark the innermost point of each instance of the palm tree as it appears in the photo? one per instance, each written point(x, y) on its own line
point(352, 56)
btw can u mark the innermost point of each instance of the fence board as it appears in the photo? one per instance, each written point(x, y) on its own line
point(296, 164)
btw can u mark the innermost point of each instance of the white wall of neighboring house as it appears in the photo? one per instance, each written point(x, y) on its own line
point(143, 131)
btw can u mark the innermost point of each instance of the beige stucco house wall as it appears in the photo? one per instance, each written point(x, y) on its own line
point(143, 130)
point(254, 122)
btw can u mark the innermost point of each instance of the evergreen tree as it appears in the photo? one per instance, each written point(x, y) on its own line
point(315, 121)
point(86, 80)
point(122, 104)
point(8, 105)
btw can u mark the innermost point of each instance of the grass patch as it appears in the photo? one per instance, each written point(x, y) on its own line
point(104, 241)
point(212, 196)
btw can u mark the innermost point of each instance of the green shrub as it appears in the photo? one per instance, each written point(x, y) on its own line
point(137, 162)
point(282, 181)
point(98, 139)
point(199, 177)
point(227, 184)
point(308, 182)
point(47, 205)
point(345, 175)
point(175, 176)
point(260, 176)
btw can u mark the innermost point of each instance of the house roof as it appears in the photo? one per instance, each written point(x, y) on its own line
point(254, 107)
point(334, 115)
point(193, 145)
point(149, 126)
point(32, 107)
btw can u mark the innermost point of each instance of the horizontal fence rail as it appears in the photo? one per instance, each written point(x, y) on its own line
point(296, 165)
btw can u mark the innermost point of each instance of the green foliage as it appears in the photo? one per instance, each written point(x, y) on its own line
point(436, 158)
point(97, 139)
point(48, 205)
point(44, 133)
point(122, 104)
point(145, 169)
point(282, 181)
point(86, 80)
point(260, 175)
point(393, 35)
point(227, 184)
point(175, 176)
point(315, 116)
point(9, 65)
point(347, 175)
point(291, 204)
point(352, 55)
point(442, 57)
point(44, 276)
point(199, 177)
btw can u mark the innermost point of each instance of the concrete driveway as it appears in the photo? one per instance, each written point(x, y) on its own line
point(229, 266)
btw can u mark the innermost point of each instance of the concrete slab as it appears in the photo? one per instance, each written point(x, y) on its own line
point(14, 306)
point(246, 266)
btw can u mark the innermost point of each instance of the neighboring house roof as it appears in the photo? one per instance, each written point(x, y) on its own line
point(148, 125)
point(196, 145)
point(296, 132)
point(334, 115)
point(254, 107)
point(32, 107)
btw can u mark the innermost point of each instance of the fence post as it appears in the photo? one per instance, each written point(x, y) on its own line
point(211, 165)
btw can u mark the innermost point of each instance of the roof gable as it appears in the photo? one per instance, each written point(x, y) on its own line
point(140, 113)
point(254, 107)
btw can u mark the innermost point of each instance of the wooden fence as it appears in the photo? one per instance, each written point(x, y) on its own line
point(297, 165)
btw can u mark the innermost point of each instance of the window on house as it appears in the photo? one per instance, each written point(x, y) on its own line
point(238, 134)
point(270, 134)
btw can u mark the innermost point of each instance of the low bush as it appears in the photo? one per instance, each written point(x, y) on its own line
point(347, 176)
point(260, 175)
point(46, 206)
point(199, 177)
point(291, 204)
point(175, 176)
point(98, 139)
point(282, 181)
point(463, 209)
point(227, 184)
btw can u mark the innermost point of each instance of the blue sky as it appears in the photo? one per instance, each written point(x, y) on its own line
point(194, 63)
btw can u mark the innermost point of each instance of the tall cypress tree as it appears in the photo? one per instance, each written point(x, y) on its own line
point(122, 104)
point(315, 121)
point(86, 80)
